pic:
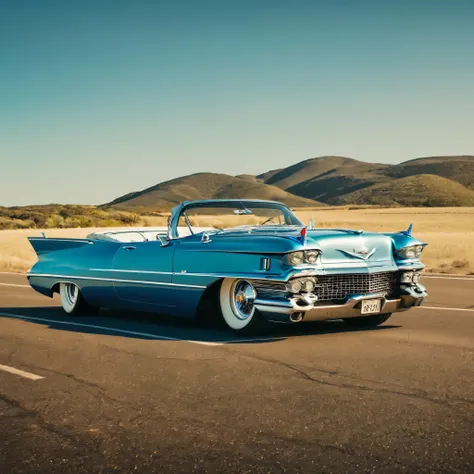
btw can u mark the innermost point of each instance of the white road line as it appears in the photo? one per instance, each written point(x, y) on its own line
point(13, 284)
point(105, 328)
point(21, 373)
point(445, 309)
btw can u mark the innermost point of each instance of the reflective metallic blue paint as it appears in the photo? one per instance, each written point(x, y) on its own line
point(172, 278)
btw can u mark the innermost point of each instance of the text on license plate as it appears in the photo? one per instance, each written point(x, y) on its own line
point(371, 306)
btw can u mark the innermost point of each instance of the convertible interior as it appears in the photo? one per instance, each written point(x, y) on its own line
point(145, 234)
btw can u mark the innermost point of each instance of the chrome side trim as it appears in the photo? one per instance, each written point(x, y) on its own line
point(255, 276)
point(184, 273)
point(114, 280)
point(82, 241)
point(132, 271)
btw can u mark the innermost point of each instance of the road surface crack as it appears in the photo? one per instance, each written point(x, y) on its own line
point(449, 402)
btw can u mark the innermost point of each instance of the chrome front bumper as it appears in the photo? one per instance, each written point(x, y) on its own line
point(304, 308)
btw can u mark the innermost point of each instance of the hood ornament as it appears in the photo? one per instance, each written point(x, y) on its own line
point(364, 253)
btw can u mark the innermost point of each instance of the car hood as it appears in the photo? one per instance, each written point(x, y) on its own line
point(341, 246)
point(336, 245)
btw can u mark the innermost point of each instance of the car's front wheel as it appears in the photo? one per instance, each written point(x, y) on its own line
point(236, 298)
point(367, 321)
point(72, 300)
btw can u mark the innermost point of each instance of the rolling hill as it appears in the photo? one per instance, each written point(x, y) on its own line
point(429, 181)
point(208, 186)
point(292, 176)
point(457, 168)
point(420, 190)
point(336, 179)
point(327, 177)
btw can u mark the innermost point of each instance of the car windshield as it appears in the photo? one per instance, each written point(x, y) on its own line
point(234, 216)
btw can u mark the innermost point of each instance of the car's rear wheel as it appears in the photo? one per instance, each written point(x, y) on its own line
point(236, 298)
point(72, 300)
point(367, 321)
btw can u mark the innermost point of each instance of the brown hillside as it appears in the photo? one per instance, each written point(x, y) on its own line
point(292, 176)
point(265, 177)
point(327, 179)
point(339, 181)
point(457, 168)
point(207, 186)
point(419, 190)
point(257, 190)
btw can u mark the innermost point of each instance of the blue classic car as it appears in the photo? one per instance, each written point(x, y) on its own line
point(254, 261)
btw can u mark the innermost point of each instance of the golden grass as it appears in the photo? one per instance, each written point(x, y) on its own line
point(16, 253)
point(448, 231)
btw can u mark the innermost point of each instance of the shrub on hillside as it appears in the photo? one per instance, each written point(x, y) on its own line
point(54, 221)
point(59, 216)
point(131, 218)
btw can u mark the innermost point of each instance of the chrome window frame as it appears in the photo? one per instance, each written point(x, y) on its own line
point(177, 211)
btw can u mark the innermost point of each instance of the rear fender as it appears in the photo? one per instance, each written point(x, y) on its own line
point(83, 262)
point(42, 245)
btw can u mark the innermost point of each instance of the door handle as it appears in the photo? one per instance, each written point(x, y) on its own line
point(129, 247)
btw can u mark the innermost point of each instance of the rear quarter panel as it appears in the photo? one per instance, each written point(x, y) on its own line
point(73, 264)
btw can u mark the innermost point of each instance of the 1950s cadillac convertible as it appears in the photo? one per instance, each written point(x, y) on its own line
point(255, 260)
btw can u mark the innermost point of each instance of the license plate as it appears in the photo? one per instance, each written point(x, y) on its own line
point(371, 306)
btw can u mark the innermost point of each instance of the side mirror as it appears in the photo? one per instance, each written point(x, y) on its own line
point(163, 239)
point(206, 238)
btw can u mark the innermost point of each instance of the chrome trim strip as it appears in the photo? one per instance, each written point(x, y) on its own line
point(292, 304)
point(49, 239)
point(256, 276)
point(373, 264)
point(114, 280)
point(323, 313)
point(417, 266)
point(218, 275)
point(132, 271)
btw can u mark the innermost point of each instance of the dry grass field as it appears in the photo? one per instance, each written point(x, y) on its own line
point(448, 231)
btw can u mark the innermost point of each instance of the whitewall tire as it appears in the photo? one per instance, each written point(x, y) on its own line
point(72, 300)
point(236, 298)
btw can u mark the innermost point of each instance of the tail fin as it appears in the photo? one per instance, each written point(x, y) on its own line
point(42, 245)
point(408, 231)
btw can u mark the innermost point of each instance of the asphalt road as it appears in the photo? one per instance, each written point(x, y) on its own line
point(138, 393)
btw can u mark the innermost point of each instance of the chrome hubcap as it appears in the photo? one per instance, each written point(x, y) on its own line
point(243, 297)
point(71, 294)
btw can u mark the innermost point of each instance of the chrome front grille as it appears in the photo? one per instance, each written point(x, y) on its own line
point(335, 288)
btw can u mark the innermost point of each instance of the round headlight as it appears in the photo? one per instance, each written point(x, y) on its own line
point(294, 286)
point(406, 277)
point(418, 250)
point(311, 256)
point(295, 258)
point(308, 286)
point(408, 252)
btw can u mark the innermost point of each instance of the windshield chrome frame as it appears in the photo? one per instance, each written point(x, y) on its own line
point(177, 211)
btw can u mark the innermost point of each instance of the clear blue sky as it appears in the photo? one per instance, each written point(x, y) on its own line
point(100, 98)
